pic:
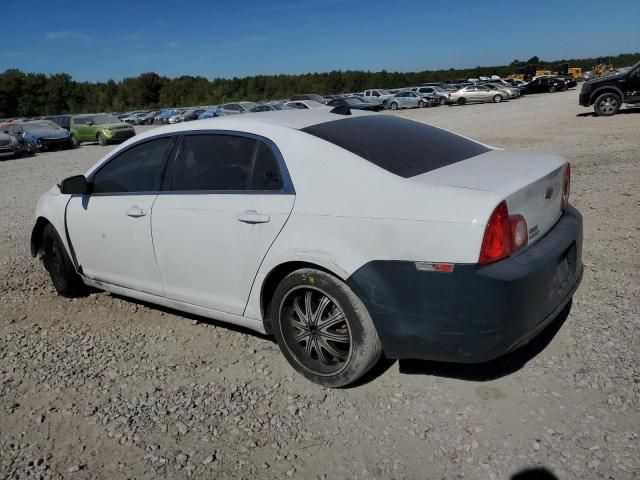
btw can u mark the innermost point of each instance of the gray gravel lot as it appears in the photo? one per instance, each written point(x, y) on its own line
point(103, 387)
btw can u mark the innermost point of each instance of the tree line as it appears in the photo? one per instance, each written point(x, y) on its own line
point(29, 94)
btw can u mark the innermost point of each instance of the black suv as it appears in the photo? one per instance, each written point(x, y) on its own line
point(607, 94)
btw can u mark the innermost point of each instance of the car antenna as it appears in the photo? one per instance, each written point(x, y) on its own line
point(341, 110)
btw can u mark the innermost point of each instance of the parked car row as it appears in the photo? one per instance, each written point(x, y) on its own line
point(21, 136)
point(65, 131)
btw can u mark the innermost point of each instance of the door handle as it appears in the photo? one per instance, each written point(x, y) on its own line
point(251, 216)
point(136, 212)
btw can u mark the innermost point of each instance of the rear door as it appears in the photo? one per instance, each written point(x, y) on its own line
point(227, 200)
point(632, 86)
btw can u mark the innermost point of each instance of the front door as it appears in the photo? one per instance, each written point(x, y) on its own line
point(228, 200)
point(110, 229)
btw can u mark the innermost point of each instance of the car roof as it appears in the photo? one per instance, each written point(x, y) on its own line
point(295, 118)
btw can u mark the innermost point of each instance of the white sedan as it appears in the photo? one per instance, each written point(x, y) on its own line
point(345, 235)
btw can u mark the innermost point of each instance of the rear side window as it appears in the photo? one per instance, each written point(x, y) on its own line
point(225, 162)
point(138, 169)
point(402, 147)
point(266, 173)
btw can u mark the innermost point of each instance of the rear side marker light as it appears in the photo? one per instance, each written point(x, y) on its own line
point(566, 187)
point(434, 267)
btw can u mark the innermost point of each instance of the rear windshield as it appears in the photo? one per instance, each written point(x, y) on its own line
point(403, 147)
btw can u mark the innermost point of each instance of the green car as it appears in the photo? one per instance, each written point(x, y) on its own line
point(99, 127)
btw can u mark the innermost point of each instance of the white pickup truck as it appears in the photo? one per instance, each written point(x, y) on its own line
point(377, 94)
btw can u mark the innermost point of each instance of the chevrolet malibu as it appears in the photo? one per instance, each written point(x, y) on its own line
point(311, 226)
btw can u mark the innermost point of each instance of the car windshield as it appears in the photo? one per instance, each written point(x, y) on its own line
point(104, 119)
point(249, 105)
point(384, 92)
point(438, 89)
point(351, 100)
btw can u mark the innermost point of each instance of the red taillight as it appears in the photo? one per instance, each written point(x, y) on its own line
point(497, 237)
point(504, 235)
point(566, 187)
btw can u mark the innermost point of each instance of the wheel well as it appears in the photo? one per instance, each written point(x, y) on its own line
point(37, 235)
point(612, 90)
point(274, 278)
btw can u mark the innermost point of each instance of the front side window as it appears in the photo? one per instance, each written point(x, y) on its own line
point(225, 162)
point(138, 169)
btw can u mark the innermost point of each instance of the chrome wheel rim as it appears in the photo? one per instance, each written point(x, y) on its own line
point(608, 104)
point(315, 330)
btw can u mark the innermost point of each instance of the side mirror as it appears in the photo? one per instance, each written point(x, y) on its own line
point(76, 185)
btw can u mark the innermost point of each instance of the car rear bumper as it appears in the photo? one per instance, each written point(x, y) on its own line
point(475, 313)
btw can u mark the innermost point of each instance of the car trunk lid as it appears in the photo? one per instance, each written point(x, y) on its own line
point(531, 184)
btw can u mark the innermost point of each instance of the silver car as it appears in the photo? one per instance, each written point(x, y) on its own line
point(476, 93)
point(236, 108)
point(441, 94)
point(407, 100)
point(10, 146)
point(513, 92)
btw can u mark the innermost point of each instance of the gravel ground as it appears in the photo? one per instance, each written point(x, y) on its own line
point(104, 387)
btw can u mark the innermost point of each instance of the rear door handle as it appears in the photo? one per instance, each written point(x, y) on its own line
point(136, 212)
point(251, 216)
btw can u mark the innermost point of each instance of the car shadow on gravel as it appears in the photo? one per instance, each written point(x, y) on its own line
point(623, 111)
point(537, 473)
point(500, 367)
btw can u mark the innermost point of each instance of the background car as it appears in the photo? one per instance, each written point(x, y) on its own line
point(309, 96)
point(305, 104)
point(10, 146)
point(357, 103)
point(236, 108)
point(270, 107)
point(210, 112)
point(545, 85)
point(476, 93)
point(101, 128)
point(407, 100)
point(164, 116)
point(42, 135)
point(148, 118)
point(440, 93)
point(63, 121)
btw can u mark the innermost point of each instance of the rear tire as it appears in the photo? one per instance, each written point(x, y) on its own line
point(553, 89)
point(607, 104)
point(394, 106)
point(76, 142)
point(63, 274)
point(101, 140)
point(462, 101)
point(443, 100)
point(323, 329)
point(497, 98)
point(422, 104)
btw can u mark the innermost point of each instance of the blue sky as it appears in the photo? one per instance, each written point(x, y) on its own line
point(219, 38)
